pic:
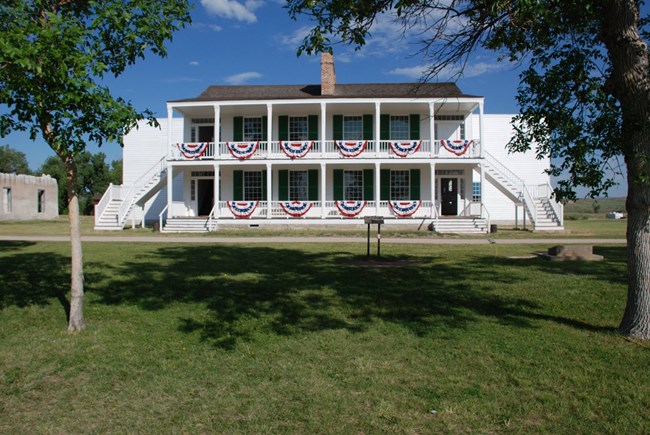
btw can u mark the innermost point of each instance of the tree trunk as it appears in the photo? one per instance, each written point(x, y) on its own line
point(629, 83)
point(76, 321)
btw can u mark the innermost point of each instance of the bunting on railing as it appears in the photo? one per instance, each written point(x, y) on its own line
point(242, 150)
point(403, 149)
point(351, 149)
point(458, 147)
point(192, 150)
point(242, 209)
point(296, 150)
point(296, 208)
point(404, 209)
point(350, 208)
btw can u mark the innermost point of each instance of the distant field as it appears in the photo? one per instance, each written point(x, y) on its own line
point(593, 208)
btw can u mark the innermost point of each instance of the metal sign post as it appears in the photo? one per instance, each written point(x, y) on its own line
point(369, 220)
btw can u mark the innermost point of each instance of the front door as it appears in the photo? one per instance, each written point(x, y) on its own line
point(205, 196)
point(206, 133)
point(449, 196)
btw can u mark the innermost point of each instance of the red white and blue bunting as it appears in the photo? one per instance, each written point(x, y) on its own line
point(350, 208)
point(351, 149)
point(458, 147)
point(242, 209)
point(404, 209)
point(242, 150)
point(296, 150)
point(192, 150)
point(403, 149)
point(296, 208)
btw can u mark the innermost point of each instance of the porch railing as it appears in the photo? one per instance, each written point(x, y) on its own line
point(322, 149)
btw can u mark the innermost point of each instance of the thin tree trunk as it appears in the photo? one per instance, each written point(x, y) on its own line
point(76, 322)
point(629, 83)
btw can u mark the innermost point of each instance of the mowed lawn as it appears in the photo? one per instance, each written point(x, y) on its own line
point(315, 339)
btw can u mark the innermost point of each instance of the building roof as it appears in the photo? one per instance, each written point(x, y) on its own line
point(291, 92)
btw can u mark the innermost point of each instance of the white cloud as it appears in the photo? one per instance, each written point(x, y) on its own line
point(238, 79)
point(207, 26)
point(294, 39)
point(195, 63)
point(233, 9)
point(472, 69)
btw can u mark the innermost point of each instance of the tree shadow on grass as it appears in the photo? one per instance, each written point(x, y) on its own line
point(260, 290)
point(33, 278)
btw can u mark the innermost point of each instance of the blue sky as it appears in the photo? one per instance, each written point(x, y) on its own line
point(255, 42)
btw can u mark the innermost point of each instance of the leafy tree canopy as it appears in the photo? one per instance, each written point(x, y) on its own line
point(13, 161)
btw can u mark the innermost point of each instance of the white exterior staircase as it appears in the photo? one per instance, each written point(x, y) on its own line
point(459, 226)
point(117, 203)
point(186, 225)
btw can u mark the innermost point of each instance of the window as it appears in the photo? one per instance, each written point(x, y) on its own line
point(353, 185)
point(6, 199)
point(352, 128)
point(252, 185)
point(399, 128)
point(40, 198)
point(476, 192)
point(298, 128)
point(252, 129)
point(298, 186)
point(400, 185)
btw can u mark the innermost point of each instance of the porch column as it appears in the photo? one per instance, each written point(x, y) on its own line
point(323, 127)
point(269, 190)
point(377, 129)
point(269, 127)
point(170, 117)
point(432, 130)
point(482, 184)
point(433, 189)
point(215, 136)
point(480, 123)
point(217, 198)
point(323, 190)
point(377, 187)
point(170, 178)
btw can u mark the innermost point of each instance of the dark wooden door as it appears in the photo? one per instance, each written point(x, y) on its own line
point(205, 196)
point(449, 196)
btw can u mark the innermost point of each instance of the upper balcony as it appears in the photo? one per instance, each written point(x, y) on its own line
point(328, 149)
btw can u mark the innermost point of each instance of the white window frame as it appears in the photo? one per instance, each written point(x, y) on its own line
point(350, 124)
point(299, 185)
point(353, 185)
point(400, 192)
point(298, 128)
point(251, 131)
point(249, 189)
point(399, 133)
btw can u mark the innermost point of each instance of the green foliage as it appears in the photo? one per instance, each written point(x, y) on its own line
point(571, 101)
point(54, 54)
point(93, 177)
point(13, 161)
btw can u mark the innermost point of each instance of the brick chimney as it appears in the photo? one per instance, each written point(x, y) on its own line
point(327, 74)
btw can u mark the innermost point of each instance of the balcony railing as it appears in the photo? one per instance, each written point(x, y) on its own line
point(352, 210)
point(327, 149)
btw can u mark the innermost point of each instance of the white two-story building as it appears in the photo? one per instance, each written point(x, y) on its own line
point(329, 154)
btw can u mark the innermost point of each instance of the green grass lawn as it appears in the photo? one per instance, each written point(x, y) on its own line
point(314, 339)
point(600, 228)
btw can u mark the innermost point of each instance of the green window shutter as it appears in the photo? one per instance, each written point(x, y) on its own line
point(384, 184)
point(264, 185)
point(283, 127)
point(313, 127)
point(368, 131)
point(238, 185)
point(368, 185)
point(384, 127)
point(415, 184)
point(414, 125)
point(283, 185)
point(313, 184)
point(338, 185)
point(265, 133)
point(337, 125)
point(238, 128)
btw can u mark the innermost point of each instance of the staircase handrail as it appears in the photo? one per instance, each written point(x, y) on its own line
point(487, 219)
point(103, 203)
point(556, 206)
point(129, 199)
point(160, 218)
point(211, 216)
point(525, 196)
